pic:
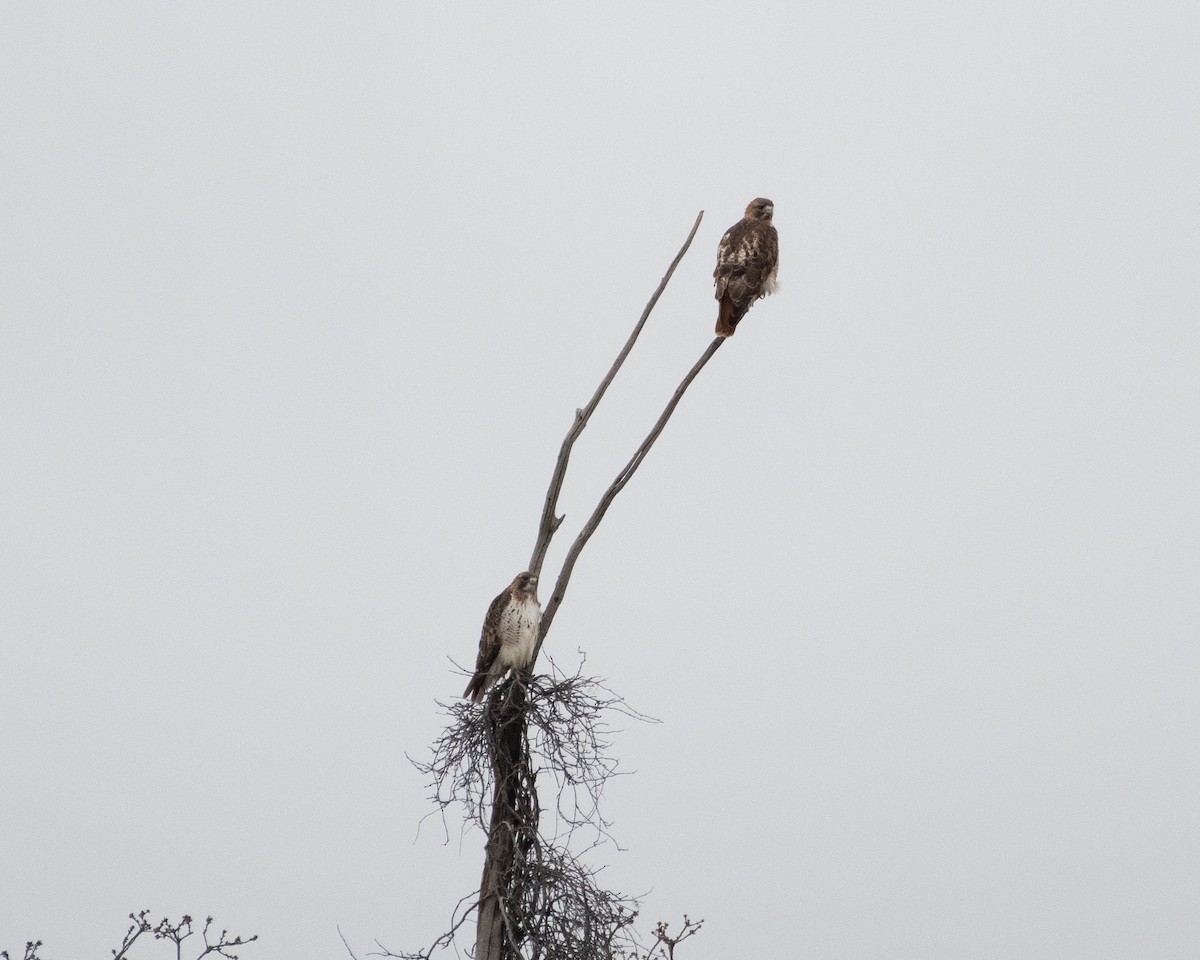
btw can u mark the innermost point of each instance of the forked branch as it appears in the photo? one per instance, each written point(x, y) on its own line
point(564, 576)
point(549, 522)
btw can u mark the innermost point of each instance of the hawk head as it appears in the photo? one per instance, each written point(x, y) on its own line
point(760, 209)
point(524, 585)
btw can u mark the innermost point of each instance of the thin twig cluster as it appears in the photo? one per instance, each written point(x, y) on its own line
point(562, 910)
point(663, 947)
point(567, 740)
point(569, 743)
point(214, 944)
point(554, 907)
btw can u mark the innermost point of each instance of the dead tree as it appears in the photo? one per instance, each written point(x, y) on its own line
point(537, 900)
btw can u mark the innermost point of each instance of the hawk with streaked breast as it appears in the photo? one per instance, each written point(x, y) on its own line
point(509, 635)
point(747, 261)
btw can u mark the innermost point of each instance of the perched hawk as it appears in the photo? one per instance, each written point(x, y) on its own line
point(747, 260)
point(509, 634)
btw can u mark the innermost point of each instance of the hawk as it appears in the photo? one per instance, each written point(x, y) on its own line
point(747, 260)
point(510, 632)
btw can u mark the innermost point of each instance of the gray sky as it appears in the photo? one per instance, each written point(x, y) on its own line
point(297, 302)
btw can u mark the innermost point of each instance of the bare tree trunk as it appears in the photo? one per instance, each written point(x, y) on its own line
point(489, 938)
point(495, 938)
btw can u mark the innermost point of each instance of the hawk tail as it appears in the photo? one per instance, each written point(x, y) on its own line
point(475, 688)
point(725, 318)
point(729, 316)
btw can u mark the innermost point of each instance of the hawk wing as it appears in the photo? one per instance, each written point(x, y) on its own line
point(747, 258)
point(489, 646)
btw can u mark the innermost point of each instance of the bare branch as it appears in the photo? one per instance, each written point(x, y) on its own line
point(549, 522)
point(346, 944)
point(175, 933)
point(31, 951)
point(564, 577)
point(462, 913)
point(139, 926)
point(690, 929)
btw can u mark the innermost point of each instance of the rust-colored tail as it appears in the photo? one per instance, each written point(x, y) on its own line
point(729, 316)
point(725, 320)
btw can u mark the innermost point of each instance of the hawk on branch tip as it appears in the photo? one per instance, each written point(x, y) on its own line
point(509, 635)
point(747, 260)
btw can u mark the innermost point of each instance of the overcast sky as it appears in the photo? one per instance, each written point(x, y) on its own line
point(296, 303)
